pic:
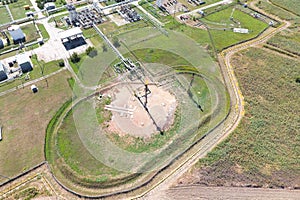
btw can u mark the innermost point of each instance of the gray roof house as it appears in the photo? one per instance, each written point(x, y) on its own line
point(17, 36)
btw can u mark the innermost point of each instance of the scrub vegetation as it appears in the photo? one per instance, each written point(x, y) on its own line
point(263, 151)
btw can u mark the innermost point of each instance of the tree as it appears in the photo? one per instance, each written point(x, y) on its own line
point(91, 51)
point(104, 48)
point(75, 58)
point(116, 42)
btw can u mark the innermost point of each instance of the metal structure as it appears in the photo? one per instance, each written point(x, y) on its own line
point(72, 13)
point(129, 65)
point(129, 14)
point(86, 17)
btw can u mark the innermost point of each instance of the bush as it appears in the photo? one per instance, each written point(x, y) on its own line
point(116, 42)
point(61, 63)
point(75, 58)
point(91, 51)
point(104, 48)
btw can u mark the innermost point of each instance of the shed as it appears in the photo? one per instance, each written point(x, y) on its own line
point(1, 44)
point(3, 75)
point(49, 6)
point(241, 30)
point(26, 7)
point(34, 89)
point(17, 36)
point(24, 63)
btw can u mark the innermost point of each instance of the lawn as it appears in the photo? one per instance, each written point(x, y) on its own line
point(264, 150)
point(93, 36)
point(69, 146)
point(43, 31)
point(226, 38)
point(4, 15)
point(221, 39)
point(17, 9)
point(24, 122)
point(31, 33)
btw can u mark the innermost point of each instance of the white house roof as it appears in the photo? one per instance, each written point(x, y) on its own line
point(49, 4)
point(23, 58)
point(69, 33)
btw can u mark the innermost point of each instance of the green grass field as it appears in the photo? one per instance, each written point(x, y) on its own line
point(24, 123)
point(17, 9)
point(31, 33)
point(226, 38)
point(4, 15)
point(264, 150)
point(83, 163)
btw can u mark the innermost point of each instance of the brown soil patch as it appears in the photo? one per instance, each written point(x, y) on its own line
point(130, 117)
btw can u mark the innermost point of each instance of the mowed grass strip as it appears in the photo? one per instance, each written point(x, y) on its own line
point(264, 150)
point(24, 120)
point(4, 15)
point(43, 31)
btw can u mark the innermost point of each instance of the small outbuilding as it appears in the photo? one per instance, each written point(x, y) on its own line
point(24, 63)
point(17, 35)
point(241, 30)
point(3, 75)
point(49, 6)
point(34, 89)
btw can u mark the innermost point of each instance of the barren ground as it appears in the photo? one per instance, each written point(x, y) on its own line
point(161, 105)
